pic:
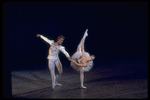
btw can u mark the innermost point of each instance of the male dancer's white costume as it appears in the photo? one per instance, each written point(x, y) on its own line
point(54, 59)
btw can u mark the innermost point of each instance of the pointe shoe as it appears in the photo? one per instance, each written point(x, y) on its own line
point(53, 86)
point(86, 34)
point(83, 87)
point(86, 30)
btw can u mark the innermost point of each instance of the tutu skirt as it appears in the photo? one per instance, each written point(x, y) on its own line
point(75, 57)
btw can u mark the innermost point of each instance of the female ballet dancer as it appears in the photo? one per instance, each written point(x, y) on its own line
point(82, 61)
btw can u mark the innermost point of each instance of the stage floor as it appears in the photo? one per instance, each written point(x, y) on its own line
point(116, 81)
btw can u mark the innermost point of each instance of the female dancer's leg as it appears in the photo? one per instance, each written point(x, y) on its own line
point(80, 47)
point(82, 79)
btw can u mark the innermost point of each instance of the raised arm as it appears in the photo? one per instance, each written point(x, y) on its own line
point(45, 39)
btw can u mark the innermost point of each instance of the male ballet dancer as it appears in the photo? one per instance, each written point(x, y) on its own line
point(53, 58)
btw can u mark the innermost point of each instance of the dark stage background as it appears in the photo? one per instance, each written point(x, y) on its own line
point(118, 31)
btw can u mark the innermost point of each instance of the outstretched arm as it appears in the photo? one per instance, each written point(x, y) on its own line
point(45, 39)
point(80, 65)
point(62, 49)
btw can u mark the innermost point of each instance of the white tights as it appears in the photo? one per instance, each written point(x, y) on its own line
point(82, 41)
point(51, 65)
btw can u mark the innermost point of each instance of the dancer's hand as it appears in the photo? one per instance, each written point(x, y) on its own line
point(38, 35)
point(69, 58)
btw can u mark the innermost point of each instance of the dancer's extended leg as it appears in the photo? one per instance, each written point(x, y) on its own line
point(82, 79)
point(81, 44)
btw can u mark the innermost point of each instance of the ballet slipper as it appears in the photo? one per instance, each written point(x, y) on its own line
point(58, 84)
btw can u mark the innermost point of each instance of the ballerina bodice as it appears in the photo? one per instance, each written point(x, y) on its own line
point(81, 60)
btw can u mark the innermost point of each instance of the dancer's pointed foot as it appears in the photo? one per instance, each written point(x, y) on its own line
point(86, 34)
point(53, 86)
point(86, 30)
point(58, 84)
point(83, 87)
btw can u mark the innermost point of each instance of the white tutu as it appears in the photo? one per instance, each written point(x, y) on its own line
point(76, 56)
